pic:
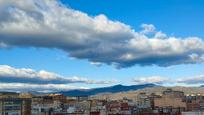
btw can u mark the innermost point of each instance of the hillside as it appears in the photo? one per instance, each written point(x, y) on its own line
point(148, 90)
point(112, 89)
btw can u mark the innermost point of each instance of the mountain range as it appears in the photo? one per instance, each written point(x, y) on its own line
point(111, 89)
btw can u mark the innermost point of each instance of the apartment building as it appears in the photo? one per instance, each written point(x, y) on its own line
point(15, 106)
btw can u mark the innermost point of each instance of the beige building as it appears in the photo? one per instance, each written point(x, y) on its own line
point(143, 101)
point(9, 95)
point(170, 101)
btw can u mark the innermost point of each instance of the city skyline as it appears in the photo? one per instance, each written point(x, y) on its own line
point(65, 45)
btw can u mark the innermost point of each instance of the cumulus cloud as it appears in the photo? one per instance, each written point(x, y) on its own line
point(148, 28)
point(152, 79)
point(25, 75)
point(50, 24)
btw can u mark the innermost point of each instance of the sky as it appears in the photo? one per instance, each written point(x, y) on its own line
point(52, 45)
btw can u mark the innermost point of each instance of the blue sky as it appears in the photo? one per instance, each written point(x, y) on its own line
point(178, 18)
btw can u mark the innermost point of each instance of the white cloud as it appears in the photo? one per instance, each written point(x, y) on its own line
point(148, 28)
point(160, 35)
point(191, 80)
point(96, 64)
point(25, 75)
point(152, 79)
point(49, 24)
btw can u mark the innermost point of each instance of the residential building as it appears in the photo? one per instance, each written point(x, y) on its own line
point(15, 106)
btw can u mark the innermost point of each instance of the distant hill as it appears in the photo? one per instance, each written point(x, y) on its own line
point(157, 90)
point(112, 89)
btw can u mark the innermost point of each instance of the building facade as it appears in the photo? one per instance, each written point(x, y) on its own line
point(15, 106)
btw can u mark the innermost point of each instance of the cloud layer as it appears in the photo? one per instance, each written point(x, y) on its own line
point(49, 24)
point(25, 75)
point(26, 79)
point(152, 79)
point(25, 87)
point(193, 80)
